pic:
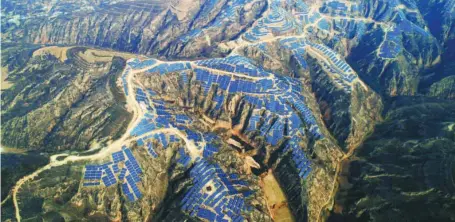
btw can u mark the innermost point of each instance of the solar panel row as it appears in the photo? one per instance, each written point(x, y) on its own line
point(299, 157)
point(137, 64)
point(133, 186)
point(109, 179)
point(127, 192)
point(151, 150)
point(144, 126)
point(124, 80)
point(91, 184)
point(184, 159)
point(213, 196)
point(169, 67)
point(209, 150)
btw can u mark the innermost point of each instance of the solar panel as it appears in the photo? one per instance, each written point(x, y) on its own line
point(151, 150)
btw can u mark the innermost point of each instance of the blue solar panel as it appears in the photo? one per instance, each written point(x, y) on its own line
point(233, 86)
point(184, 158)
point(151, 150)
point(115, 168)
point(137, 64)
point(131, 169)
point(140, 142)
point(209, 150)
point(163, 140)
point(172, 139)
point(206, 214)
point(118, 156)
point(182, 119)
point(131, 164)
point(122, 174)
point(192, 135)
point(133, 186)
point(143, 127)
point(93, 172)
point(221, 199)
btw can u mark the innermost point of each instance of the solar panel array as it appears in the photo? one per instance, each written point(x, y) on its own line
point(209, 150)
point(344, 75)
point(130, 170)
point(324, 25)
point(213, 196)
point(347, 72)
point(277, 22)
point(184, 159)
point(141, 98)
point(392, 44)
point(124, 80)
point(109, 178)
point(304, 16)
point(183, 119)
point(232, 85)
point(160, 138)
point(157, 114)
point(279, 110)
point(218, 99)
point(209, 137)
point(391, 47)
point(145, 125)
point(138, 64)
point(234, 64)
point(341, 20)
point(253, 122)
point(92, 175)
point(283, 97)
point(151, 150)
point(302, 163)
point(169, 67)
point(275, 133)
point(132, 183)
point(195, 136)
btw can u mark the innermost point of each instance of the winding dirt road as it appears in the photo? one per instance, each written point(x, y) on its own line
point(104, 152)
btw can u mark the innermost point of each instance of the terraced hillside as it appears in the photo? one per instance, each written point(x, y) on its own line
point(55, 106)
point(145, 27)
point(279, 110)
